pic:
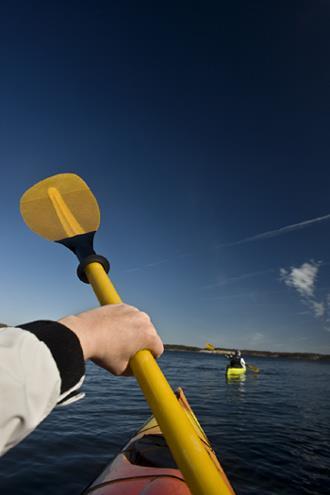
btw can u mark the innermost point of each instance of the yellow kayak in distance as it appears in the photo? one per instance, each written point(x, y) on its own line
point(235, 372)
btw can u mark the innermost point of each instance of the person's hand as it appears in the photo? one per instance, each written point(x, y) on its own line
point(111, 335)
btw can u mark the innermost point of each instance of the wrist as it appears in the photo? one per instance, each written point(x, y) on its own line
point(77, 326)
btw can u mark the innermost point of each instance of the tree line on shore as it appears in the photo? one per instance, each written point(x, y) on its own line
point(310, 356)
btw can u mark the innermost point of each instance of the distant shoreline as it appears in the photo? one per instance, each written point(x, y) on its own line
point(309, 356)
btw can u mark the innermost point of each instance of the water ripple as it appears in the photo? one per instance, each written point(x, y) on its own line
point(270, 431)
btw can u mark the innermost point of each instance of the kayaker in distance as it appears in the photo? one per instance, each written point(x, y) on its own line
point(42, 364)
point(236, 360)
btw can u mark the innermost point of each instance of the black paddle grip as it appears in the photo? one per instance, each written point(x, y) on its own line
point(92, 258)
point(82, 246)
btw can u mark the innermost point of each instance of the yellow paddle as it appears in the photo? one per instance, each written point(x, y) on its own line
point(63, 209)
point(252, 368)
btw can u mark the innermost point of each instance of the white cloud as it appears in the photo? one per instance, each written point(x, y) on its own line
point(319, 308)
point(302, 279)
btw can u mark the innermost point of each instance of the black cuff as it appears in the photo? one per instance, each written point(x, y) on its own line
point(65, 348)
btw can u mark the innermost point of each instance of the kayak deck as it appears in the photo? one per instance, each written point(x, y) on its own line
point(232, 372)
point(145, 466)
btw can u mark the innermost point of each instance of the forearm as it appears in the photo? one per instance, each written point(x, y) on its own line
point(42, 363)
point(41, 366)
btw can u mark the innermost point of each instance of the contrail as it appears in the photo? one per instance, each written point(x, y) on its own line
point(263, 235)
point(274, 233)
point(244, 276)
point(143, 267)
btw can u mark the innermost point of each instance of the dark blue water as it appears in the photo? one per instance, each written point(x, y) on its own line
point(271, 431)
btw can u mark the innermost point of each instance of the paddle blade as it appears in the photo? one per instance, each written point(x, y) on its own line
point(253, 368)
point(60, 207)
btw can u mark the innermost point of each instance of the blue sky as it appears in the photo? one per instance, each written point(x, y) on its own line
point(203, 130)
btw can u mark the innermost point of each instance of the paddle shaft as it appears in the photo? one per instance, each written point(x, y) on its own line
point(202, 475)
point(252, 368)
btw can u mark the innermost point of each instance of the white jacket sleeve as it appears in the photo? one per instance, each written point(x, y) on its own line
point(41, 366)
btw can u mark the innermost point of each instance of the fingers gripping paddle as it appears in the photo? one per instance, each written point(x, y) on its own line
point(63, 209)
